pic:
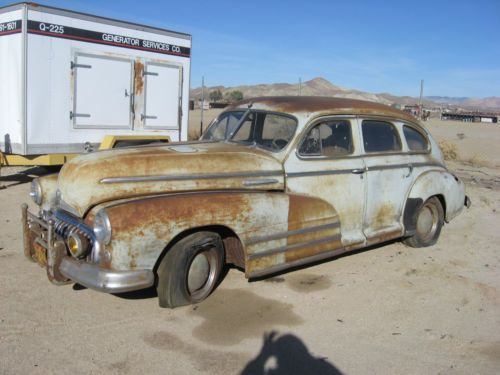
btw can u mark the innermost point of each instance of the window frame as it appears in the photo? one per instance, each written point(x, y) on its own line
point(318, 122)
point(246, 112)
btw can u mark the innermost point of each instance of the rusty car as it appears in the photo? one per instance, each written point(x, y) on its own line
point(273, 183)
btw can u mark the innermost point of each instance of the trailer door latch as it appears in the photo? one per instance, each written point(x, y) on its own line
point(75, 65)
point(72, 115)
point(144, 117)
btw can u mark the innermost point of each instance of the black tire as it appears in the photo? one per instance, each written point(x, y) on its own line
point(428, 223)
point(189, 271)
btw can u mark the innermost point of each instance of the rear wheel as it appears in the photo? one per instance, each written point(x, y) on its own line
point(428, 223)
point(190, 270)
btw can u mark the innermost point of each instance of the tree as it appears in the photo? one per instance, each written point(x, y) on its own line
point(235, 95)
point(215, 95)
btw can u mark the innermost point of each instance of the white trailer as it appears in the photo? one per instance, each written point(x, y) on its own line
point(68, 80)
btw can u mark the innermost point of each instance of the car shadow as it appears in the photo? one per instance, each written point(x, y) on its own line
point(136, 294)
point(152, 293)
point(326, 260)
point(287, 355)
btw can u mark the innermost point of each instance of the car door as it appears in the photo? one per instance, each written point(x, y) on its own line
point(328, 164)
point(388, 179)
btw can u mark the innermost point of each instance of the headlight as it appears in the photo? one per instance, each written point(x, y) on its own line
point(78, 244)
point(102, 227)
point(36, 192)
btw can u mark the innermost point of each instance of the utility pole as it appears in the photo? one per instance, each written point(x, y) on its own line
point(202, 102)
point(420, 107)
point(300, 86)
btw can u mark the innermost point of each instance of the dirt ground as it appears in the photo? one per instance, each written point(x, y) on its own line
point(387, 310)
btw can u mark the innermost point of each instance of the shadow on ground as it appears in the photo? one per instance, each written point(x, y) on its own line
point(287, 355)
point(7, 180)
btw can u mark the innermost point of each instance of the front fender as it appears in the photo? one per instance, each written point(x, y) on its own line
point(440, 182)
point(142, 228)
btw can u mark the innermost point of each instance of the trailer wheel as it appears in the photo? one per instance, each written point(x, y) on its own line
point(189, 271)
point(428, 223)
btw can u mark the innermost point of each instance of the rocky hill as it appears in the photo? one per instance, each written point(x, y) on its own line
point(322, 87)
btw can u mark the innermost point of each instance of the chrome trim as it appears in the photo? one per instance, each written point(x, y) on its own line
point(277, 236)
point(318, 173)
point(294, 246)
point(114, 180)
point(108, 281)
point(88, 231)
point(62, 205)
point(299, 262)
point(405, 165)
point(374, 168)
point(267, 181)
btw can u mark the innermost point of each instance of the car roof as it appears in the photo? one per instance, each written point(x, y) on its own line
point(321, 105)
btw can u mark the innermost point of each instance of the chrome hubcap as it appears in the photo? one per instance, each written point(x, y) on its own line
point(427, 221)
point(199, 271)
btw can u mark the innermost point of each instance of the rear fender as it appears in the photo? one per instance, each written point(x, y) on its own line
point(439, 183)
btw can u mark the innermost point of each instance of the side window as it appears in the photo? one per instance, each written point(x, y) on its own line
point(245, 131)
point(224, 126)
point(380, 136)
point(277, 131)
point(415, 140)
point(331, 138)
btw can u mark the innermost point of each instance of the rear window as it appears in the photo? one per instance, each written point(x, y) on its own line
point(415, 140)
point(380, 136)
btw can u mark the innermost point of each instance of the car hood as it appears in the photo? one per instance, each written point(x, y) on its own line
point(103, 176)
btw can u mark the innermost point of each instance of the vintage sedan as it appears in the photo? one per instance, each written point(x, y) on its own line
point(274, 182)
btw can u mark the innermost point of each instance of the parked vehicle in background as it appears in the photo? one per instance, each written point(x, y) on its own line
point(273, 183)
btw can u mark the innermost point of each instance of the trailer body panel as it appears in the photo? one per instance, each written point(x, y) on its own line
point(71, 79)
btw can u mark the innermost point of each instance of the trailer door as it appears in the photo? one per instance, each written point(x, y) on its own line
point(102, 88)
point(162, 98)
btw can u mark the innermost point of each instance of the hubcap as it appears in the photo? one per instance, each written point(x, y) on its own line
point(198, 272)
point(427, 221)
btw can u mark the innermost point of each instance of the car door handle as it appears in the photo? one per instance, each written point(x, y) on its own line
point(410, 170)
point(358, 171)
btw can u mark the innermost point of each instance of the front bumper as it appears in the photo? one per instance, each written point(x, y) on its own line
point(42, 245)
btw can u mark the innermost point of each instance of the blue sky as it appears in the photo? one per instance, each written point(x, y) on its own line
point(374, 46)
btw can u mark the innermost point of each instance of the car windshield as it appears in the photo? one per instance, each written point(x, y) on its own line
point(270, 131)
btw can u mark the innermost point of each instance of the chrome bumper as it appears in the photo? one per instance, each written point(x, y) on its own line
point(61, 268)
point(94, 277)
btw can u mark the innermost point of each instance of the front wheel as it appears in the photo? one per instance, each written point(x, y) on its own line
point(428, 223)
point(190, 270)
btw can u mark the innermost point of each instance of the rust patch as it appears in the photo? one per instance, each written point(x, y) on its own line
point(234, 251)
point(258, 264)
point(40, 254)
point(304, 212)
point(382, 217)
point(180, 210)
point(304, 209)
point(139, 77)
point(312, 250)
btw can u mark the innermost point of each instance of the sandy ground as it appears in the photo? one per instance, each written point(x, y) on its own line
point(388, 310)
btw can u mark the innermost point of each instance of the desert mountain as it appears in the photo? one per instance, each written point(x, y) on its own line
point(322, 87)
